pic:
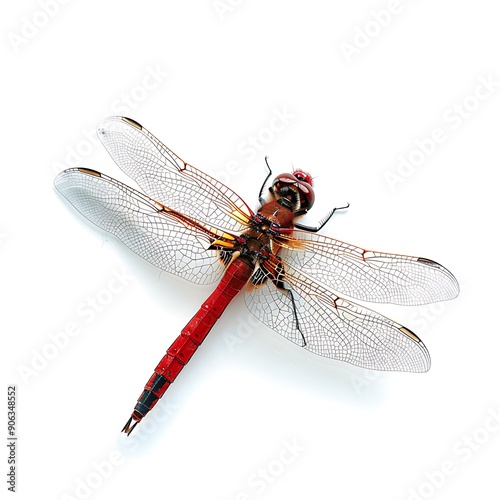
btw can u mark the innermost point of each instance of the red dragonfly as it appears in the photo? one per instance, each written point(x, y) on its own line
point(191, 225)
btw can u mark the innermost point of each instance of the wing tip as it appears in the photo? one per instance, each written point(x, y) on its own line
point(424, 363)
point(131, 122)
point(452, 290)
point(113, 124)
point(124, 119)
point(409, 334)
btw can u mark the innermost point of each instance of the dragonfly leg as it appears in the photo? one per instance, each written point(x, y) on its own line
point(261, 198)
point(322, 222)
point(281, 285)
point(297, 324)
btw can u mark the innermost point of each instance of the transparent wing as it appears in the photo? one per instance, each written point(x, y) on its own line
point(160, 235)
point(317, 319)
point(367, 275)
point(170, 180)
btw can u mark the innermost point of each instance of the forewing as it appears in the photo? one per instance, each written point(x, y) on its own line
point(161, 236)
point(328, 325)
point(367, 275)
point(170, 180)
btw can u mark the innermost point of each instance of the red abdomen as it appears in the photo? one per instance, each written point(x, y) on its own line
point(193, 334)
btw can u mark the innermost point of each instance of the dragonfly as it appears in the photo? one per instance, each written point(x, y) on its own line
point(297, 282)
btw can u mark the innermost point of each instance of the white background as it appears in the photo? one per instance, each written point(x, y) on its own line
point(252, 416)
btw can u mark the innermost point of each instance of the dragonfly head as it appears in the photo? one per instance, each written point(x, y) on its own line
point(294, 191)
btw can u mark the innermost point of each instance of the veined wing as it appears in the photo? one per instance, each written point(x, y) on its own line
point(170, 180)
point(328, 325)
point(165, 238)
point(367, 275)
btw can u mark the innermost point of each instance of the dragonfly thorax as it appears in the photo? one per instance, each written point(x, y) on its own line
point(272, 216)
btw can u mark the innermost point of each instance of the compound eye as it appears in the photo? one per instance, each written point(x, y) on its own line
point(303, 176)
point(307, 196)
point(296, 181)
